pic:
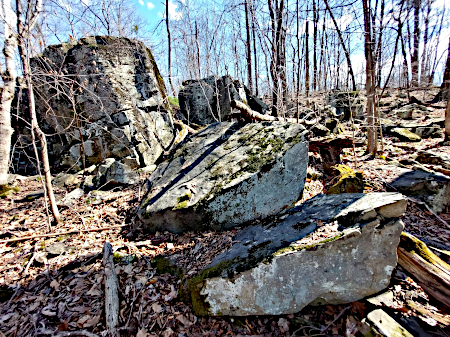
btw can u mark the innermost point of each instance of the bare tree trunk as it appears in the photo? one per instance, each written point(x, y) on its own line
point(198, 52)
point(248, 48)
point(341, 40)
point(169, 49)
point(378, 50)
point(447, 122)
point(307, 57)
point(23, 36)
point(425, 72)
point(415, 54)
point(315, 21)
point(445, 87)
point(370, 81)
point(7, 93)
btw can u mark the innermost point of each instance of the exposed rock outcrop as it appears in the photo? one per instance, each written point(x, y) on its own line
point(346, 103)
point(207, 100)
point(332, 249)
point(226, 175)
point(98, 98)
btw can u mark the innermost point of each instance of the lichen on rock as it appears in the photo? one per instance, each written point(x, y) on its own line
point(233, 173)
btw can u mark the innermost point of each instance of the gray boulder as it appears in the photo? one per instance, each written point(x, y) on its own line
point(431, 188)
point(226, 175)
point(112, 173)
point(332, 249)
point(100, 97)
point(207, 100)
point(347, 104)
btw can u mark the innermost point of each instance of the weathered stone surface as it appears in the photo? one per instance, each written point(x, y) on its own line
point(347, 103)
point(349, 181)
point(320, 130)
point(279, 266)
point(434, 157)
point(384, 325)
point(432, 188)
point(405, 135)
point(70, 198)
point(108, 101)
point(226, 175)
point(407, 111)
point(112, 173)
point(208, 100)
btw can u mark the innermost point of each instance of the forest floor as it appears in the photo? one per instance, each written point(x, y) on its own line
point(43, 292)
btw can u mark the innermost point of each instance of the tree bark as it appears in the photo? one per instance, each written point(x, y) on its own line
point(341, 40)
point(248, 48)
point(370, 81)
point(315, 21)
point(307, 57)
point(169, 48)
point(429, 270)
point(416, 37)
point(111, 292)
point(23, 35)
point(7, 93)
point(447, 122)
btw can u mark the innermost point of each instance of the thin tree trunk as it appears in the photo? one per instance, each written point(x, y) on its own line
point(7, 95)
point(248, 49)
point(447, 122)
point(307, 57)
point(370, 81)
point(424, 78)
point(169, 48)
point(341, 40)
point(255, 58)
point(23, 34)
point(199, 69)
point(274, 61)
point(315, 21)
point(415, 54)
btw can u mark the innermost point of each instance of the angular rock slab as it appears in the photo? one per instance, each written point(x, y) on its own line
point(227, 175)
point(268, 271)
point(431, 188)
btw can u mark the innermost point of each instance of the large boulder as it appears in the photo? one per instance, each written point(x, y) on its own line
point(332, 249)
point(347, 104)
point(207, 100)
point(226, 175)
point(100, 97)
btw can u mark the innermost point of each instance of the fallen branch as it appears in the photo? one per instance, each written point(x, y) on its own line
point(66, 333)
point(49, 235)
point(431, 273)
point(445, 223)
point(251, 114)
point(111, 292)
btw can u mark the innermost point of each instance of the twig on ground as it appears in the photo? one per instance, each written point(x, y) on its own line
point(334, 320)
point(78, 231)
point(66, 333)
point(429, 210)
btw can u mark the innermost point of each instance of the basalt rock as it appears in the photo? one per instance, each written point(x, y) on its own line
point(226, 175)
point(97, 98)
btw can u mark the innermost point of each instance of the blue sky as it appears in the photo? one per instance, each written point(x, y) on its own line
point(154, 11)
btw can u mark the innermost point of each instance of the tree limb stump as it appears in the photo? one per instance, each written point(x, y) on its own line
point(111, 292)
point(330, 149)
point(431, 273)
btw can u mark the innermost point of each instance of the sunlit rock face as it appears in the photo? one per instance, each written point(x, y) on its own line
point(226, 175)
point(332, 249)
